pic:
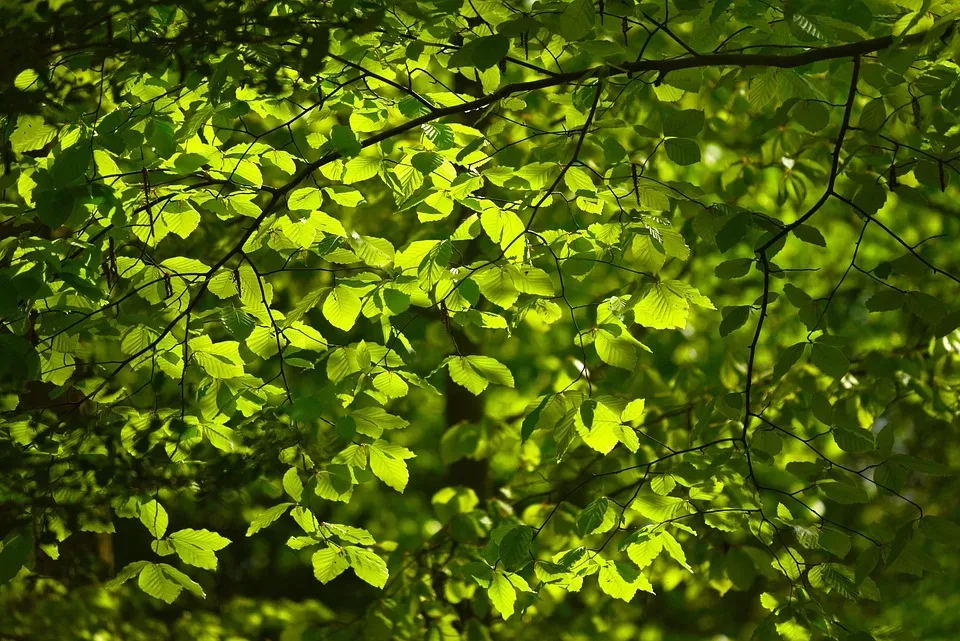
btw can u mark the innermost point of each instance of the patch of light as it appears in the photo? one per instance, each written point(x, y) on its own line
point(849, 381)
point(712, 154)
point(431, 527)
point(788, 162)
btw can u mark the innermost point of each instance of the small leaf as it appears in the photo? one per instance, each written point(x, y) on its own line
point(489, 50)
point(345, 141)
point(16, 550)
point(886, 300)
point(843, 492)
point(305, 198)
point(835, 542)
point(940, 529)
point(592, 516)
point(854, 440)
point(736, 268)
point(829, 360)
point(788, 358)
point(515, 548)
point(734, 318)
point(531, 420)
point(809, 234)
point(155, 582)
point(621, 581)
point(476, 372)
point(576, 21)
point(31, 133)
point(328, 564)
point(391, 384)
point(154, 517)
point(197, 547)
point(684, 124)
point(292, 484)
point(682, 151)
point(342, 307)
point(128, 572)
point(267, 517)
point(390, 470)
point(502, 594)
point(813, 115)
point(873, 115)
point(633, 411)
point(368, 566)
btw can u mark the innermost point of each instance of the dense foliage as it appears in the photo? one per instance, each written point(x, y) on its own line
point(479, 319)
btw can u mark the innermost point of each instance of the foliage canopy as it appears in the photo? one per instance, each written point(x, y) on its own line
point(479, 319)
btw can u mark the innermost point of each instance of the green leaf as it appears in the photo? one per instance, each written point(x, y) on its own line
point(26, 79)
point(388, 468)
point(736, 268)
point(829, 360)
point(292, 484)
point(592, 516)
point(575, 22)
point(684, 124)
point(619, 350)
point(667, 305)
point(360, 168)
point(788, 358)
point(476, 372)
point(367, 566)
point(873, 115)
point(621, 581)
point(854, 440)
point(886, 300)
point(814, 116)
point(503, 595)
point(345, 141)
point(792, 631)
point(31, 133)
point(128, 572)
point(197, 547)
point(391, 384)
point(341, 307)
point(305, 199)
point(835, 577)
point(600, 427)
point(633, 411)
point(809, 234)
point(577, 180)
point(733, 231)
point(329, 563)
point(645, 551)
point(531, 420)
point(682, 151)
point(940, 529)
point(267, 517)
point(489, 50)
point(515, 548)
point(14, 554)
point(835, 542)
point(154, 518)
point(843, 492)
point(164, 582)
point(740, 568)
point(506, 229)
point(734, 318)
